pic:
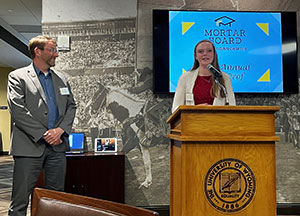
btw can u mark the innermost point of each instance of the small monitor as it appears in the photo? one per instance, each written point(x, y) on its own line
point(105, 145)
point(76, 142)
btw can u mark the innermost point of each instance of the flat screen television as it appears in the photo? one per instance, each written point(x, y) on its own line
point(258, 50)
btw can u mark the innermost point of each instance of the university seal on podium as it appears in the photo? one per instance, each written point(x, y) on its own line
point(229, 185)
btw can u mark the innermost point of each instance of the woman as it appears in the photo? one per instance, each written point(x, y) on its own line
point(198, 84)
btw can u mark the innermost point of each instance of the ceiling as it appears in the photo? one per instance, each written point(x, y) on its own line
point(20, 20)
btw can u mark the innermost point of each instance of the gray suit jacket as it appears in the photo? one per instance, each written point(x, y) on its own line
point(29, 111)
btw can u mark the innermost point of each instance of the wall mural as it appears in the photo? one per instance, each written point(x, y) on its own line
point(115, 99)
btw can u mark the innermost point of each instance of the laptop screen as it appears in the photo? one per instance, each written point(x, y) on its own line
point(76, 141)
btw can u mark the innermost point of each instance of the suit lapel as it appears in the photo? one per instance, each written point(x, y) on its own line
point(33, 76)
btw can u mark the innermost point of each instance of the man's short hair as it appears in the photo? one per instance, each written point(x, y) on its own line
point(39, 42)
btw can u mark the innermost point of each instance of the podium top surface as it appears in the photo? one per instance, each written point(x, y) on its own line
point(223, 123)
point(195, 108)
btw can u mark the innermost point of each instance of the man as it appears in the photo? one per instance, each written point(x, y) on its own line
point(42, 109)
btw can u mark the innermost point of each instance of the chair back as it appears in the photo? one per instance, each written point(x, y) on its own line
point(47, 202)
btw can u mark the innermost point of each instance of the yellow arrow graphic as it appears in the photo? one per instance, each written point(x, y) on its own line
point(186, 26)
point(264, 27)
point(265, 77)
point(183, 71)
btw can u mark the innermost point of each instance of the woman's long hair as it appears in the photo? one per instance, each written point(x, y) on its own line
point(215, 88)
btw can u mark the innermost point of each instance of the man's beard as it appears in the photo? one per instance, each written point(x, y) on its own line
point(51, 63)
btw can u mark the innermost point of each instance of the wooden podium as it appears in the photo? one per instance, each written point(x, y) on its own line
point(223, 160)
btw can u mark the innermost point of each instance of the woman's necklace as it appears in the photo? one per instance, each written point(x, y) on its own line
point(206, 78)
point(205, 75)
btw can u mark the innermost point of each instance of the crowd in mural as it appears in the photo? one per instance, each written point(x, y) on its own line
point(98, 54)
point(290, 123)
point(90, 94)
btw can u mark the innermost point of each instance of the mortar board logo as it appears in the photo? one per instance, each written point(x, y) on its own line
point(224, 20)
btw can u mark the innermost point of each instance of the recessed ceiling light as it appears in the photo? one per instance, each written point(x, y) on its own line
point(10, 10)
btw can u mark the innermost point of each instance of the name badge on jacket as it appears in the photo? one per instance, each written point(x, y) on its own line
point(64, 91)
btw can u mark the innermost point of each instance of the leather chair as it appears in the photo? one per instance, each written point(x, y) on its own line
point(48, 203)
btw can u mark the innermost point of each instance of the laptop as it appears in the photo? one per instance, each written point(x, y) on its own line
point(76, 142)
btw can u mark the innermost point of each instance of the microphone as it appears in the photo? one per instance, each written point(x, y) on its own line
point(214, 70)
point(218, 74)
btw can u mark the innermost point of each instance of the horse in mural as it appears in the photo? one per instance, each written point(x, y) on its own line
point(140, 120)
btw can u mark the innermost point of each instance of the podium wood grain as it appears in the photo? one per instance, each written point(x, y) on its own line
point(201, 136)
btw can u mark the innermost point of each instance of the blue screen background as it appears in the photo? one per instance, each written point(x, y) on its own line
point(251, 56)
point(76, 140)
